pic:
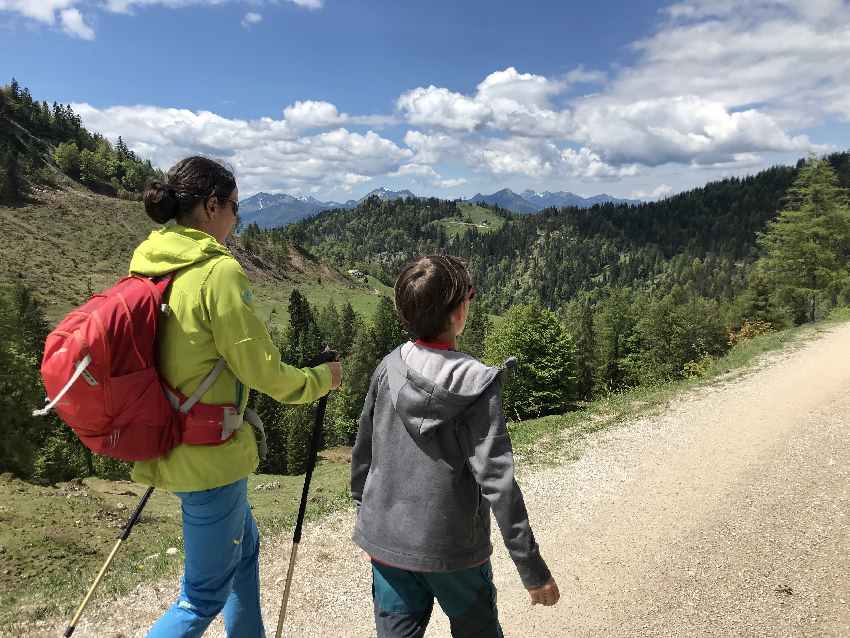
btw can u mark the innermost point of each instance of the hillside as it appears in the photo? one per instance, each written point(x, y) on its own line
point(66, 243)
point(704, 239)
point(471, 216)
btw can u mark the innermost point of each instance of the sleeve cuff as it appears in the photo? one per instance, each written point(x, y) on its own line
point(325, 377)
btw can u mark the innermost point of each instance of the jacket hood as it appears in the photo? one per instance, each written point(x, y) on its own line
point(424, 405)
point(172, 248)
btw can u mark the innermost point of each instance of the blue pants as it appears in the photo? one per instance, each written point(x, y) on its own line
point(404, 601)
point(221, 572)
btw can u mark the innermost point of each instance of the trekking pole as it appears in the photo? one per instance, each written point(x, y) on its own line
point(324, 357)
point(69, 630)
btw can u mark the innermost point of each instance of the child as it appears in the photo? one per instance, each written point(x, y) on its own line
point(432, 458)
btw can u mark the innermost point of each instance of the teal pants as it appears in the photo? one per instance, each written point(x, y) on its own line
point(404, 601)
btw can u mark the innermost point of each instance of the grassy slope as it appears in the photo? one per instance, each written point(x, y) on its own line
point(55, 538)
point(65, 238)
point(472, 216)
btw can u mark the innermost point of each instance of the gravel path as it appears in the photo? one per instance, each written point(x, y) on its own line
point(724, 516)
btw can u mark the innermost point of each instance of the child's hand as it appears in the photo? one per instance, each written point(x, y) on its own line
point(547, 595)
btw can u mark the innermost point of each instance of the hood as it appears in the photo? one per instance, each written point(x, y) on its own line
point(423, 404)
point(174, 247)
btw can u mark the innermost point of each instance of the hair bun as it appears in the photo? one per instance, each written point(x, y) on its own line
point(161, 203)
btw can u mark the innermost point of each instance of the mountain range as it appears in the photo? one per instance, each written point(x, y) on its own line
point(275, 210)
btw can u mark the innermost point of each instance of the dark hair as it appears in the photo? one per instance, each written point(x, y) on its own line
point(188, 182)
point(428, 290)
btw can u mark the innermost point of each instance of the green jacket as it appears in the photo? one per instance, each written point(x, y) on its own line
point(212, 316)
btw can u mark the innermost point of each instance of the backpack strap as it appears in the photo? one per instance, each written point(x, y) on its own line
point(205, 385)
point(81, 367)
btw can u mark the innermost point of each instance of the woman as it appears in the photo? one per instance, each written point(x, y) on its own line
point(211, 317)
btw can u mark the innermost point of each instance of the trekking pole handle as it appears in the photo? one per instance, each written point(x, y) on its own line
point(325, 356)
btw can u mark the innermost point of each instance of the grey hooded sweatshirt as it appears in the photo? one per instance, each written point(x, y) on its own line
point(432, 458)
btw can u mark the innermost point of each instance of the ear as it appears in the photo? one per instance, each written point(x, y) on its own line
point(211, 207)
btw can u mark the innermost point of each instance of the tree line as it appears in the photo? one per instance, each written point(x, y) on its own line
point(38, 140)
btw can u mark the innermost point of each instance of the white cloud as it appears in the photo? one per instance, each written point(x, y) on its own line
point(450, 183)
point(581, 75)
point(266, 153)
point(434, 106)
point(431, 148)
point(524, 88)
point(127, 6)
point(586, 164)
point(313, 114)
point(41, 10)
point(678, 129)
point(251, 18)
point(74, 24)
point(784, 55)
point(505, 100)
point(415, 171)
point(659, 192)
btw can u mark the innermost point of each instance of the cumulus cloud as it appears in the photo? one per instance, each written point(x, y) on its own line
point(678, 129)
point(505, 100)
point(659, 192)
point(313, 114)
point(266, 153)
point(540, 159)
point(251, 19)
point(74, 24)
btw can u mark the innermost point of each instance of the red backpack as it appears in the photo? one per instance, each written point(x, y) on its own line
point(99, 366)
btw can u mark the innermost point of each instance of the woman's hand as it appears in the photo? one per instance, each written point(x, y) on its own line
point(336, 373)
point(547, 595)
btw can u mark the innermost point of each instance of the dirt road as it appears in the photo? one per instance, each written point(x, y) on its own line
point(724, 516)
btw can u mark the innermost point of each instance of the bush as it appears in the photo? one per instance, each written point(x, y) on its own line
point(544, 380)
point(67, 157)
point(748, 330)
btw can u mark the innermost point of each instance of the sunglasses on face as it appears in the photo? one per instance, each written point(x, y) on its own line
point(235, 205)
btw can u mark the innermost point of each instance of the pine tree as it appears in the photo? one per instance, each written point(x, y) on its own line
point(347, 329)
point(475, 333)
point(807, 248)
point(389, 333)
point(579, 321)
point(303, 339)
point(329, 325)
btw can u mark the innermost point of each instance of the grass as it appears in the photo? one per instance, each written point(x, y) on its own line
point(472, 215)
point(54, 539)
point(274, 296)
point(67, 243)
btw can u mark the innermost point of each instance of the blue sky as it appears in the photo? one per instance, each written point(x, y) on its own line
point(336, 97)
